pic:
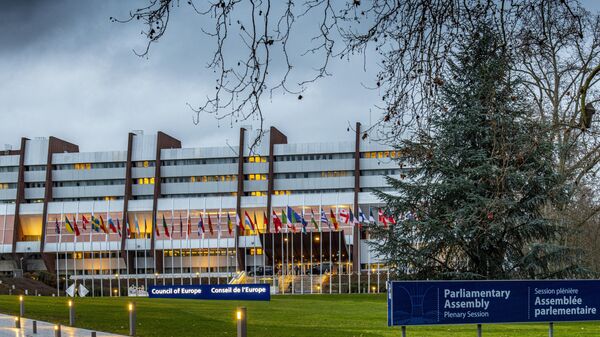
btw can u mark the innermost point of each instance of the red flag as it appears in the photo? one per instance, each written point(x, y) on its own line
point(103, 226)
point(344, 215)
point(119, 227)
point(75, 226)
point(210, 226)
point(277, 222)
point(382, 218)
point(84, 222)
point(248, 220)
point(239, 223)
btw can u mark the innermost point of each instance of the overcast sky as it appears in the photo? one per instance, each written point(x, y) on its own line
point(67, 71)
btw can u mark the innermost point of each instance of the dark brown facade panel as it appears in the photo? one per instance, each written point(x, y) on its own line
point(20, 198)
point(275, 137)
point(127, 192)
point(238, 200)
point(356, 230)
point(55, 145)
point(163, 141)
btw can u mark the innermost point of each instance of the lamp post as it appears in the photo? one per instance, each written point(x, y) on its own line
point(21, 306)
point(71, 313)
point(131, 309)
point(241, 322)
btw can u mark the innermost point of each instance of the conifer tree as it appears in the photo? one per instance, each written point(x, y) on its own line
point(481, 179)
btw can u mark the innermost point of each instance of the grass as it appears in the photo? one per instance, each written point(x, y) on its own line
point(306, 315)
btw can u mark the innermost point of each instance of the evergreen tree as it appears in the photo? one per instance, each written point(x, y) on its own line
point(481, 181)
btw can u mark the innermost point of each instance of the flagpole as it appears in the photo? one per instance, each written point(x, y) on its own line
point(302, 246)
point(75, 248)
point(321, 212)
point(135, 259)
point(282, 260)
point(369, 261)
point(218, 248)
point(107, 246)
point(208, 246)
point(146, 256)
point(93, 255)
point(339, 255)
point(271, 229)
point(171, 241)
point(58, 248)
point(226, 241)
point(189, 242)
point(62, 215)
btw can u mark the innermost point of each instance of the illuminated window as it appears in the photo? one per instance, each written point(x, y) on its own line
point(251, 177)
point(146, 181)
point(145, 163)
point(152, 180)
point(251, 159)
point(193, 179)
point(88, 166)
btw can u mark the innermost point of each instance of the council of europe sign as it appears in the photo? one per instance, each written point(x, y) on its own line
point(463, 302)
point(242, 292)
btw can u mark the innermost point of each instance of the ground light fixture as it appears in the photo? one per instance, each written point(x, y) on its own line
point(132, 317)
point(71, 313)
point(240, 317)
point(18, 322)
point(57, 330)
point(21, 306)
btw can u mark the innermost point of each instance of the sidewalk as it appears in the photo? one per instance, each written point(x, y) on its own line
point(44, 329)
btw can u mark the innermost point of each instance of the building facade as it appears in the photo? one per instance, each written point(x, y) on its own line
point(159, 213)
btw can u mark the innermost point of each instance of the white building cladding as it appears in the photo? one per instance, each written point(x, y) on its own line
point(48, 183)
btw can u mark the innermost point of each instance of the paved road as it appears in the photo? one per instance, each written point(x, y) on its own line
point(45, 329)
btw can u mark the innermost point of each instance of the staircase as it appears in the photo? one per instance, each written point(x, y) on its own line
point(239, 278)
point(302, 284)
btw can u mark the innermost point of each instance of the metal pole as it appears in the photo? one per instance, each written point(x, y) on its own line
point(403, 331)
point(241, 322)
point(551, 329)
point(478, 330)
point(34, 327)
point(132, 319)
point(71, 313)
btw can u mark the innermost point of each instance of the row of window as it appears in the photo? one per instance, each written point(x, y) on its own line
point(204, 161)
point(145, 163)
point(381, 154)
point(35, 168)
point(7, 186)
point(36, 184)
point(323, 174)
point(255, 159)
point(9, 169)
point(89, 166)
point(144, 181)
point(388, 172)
point(256, 194)
point(89, 198)
point(106, 182)
point(256, 177)
point(317, 156)
point(200, 179)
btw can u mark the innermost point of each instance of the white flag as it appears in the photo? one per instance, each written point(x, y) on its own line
point(82, 291)
point(71, 290)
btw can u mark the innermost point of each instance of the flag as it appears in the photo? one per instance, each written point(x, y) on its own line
point(289, 219)
point(68, 226)
point(239, 223)
point(201, 224)
point(344, 215)
point(180, 226)
point(146, 228)
point(210, 226)
point(354, 220)
point(75, 227)
point(371, 218)
point(166, 227)
point(189, 226)
point(57, 226)
point(276, 222)
point(155, 226)
point(361, 216)
point(333, 219)
point(137, 224)
point(324, 219)
point(84, 222)
point(382, 218)
point(290, 215)
point(283, 217)
point(112, 226)
point(255, 222)
point(95, 224)
point(302, 221)
point(391, 219)
point(229, 224)
point(248, 220)
point(119, 227)
point(103, 226)
point(266, 222)
point(312, 220)
point(128, 227)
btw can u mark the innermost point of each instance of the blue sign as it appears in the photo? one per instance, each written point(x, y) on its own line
point(462, 302)
point(239, 292)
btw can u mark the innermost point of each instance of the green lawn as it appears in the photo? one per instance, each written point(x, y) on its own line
point(307, 315)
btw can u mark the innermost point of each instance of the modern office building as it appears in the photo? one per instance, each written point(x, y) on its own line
point(160, 213)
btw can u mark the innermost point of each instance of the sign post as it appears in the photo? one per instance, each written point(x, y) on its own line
point(482, 302)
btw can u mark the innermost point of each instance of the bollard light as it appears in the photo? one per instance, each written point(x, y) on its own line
point(131, 309)
point(57, 332)
point(21, 306)
point(71, 313)
point(241, 322)
point(34, 327)
point(17, 323)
